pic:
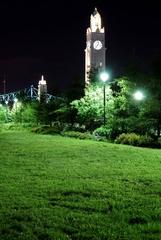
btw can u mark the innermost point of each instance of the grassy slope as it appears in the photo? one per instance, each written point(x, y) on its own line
point(60, 188)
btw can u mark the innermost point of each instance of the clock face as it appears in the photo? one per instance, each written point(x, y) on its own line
point(97, 45)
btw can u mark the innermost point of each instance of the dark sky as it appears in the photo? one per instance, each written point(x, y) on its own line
point(48, 37)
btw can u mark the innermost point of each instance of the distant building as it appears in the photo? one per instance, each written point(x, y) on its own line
point(95, 45)
point(42, 90)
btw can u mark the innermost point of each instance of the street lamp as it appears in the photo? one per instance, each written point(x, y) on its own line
point(138, 95)
point(104, 76)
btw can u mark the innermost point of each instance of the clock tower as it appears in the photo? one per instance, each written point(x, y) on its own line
point(95, 45)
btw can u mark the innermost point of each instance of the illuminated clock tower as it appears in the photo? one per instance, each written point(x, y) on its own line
point(95, 45)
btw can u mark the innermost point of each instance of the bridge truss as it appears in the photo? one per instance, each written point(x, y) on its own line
point(30, 93)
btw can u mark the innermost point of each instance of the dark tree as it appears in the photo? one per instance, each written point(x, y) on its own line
point(93, 75)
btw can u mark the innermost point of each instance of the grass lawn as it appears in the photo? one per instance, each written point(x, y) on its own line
point(52, 187)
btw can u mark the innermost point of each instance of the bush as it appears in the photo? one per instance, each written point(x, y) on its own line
point(46, 130)
point(3, 114)
point(102, 133)
point(75, 134)
point(61, 125)
point(77, 127)
point(136, 140)
point(16, 126)
point(128, 138)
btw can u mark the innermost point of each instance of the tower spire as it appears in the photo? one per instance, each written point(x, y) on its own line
point(95, 23)
point(95, 11)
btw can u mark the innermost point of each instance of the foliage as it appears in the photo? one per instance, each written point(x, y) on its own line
point(38, 112)
point(29, 114)
point(124, 104)
point(125, 112)
point(102, 132)
point(122, 111)
point(61, 128)
point(78, 135)
point(128, 138)
point(61, 111)
point(3, 114)
point(75, 89)
point(78, 127)
point(93, 76)
point(151, 113)
point(22, 97)
point(46, 130)
point(65, 114)
point(24, 113)
point(136, 140)
point(90, 107)
point(17, 126)
point(56, 128)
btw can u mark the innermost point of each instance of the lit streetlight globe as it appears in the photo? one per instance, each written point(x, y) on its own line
point(104, 76)
point(138, 95)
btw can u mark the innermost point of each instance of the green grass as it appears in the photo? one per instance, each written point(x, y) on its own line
point(52, 187)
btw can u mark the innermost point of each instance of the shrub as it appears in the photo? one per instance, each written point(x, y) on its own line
point(16, 126)
point(60, 125)
point(3, 114)
point(136, 140)
point(128, 138)
point(102, 133)
point(147, 141)
point(46, 130)
point(77, 127)
point(75, 134)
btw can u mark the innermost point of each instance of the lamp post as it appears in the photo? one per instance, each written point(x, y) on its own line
point(104, 76)
point(138, 95)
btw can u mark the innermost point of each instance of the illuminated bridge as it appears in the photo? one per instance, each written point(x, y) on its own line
point(30, 93)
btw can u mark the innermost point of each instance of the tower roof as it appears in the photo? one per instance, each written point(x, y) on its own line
point(95, 11)
point(95, 21)
point(42, 81)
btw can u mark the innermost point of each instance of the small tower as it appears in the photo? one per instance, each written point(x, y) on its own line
point(95, 45)
point(42, 90)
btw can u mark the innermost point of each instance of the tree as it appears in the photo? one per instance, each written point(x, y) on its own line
point(93, 75)
point(4, 114)
point(24, 113)
point(151, 113)
point(29, 114)
point(90, 107)
point(122, 111)
point(75, 89)
point(151, 116)
point(125, 115)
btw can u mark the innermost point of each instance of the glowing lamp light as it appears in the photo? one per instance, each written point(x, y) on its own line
point(138, 95)
point(104, 76)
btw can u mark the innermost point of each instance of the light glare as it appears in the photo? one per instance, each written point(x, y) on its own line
point(138, 95)
point(104, 76)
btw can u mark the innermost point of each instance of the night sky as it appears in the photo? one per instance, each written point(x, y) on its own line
point(49, 38)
